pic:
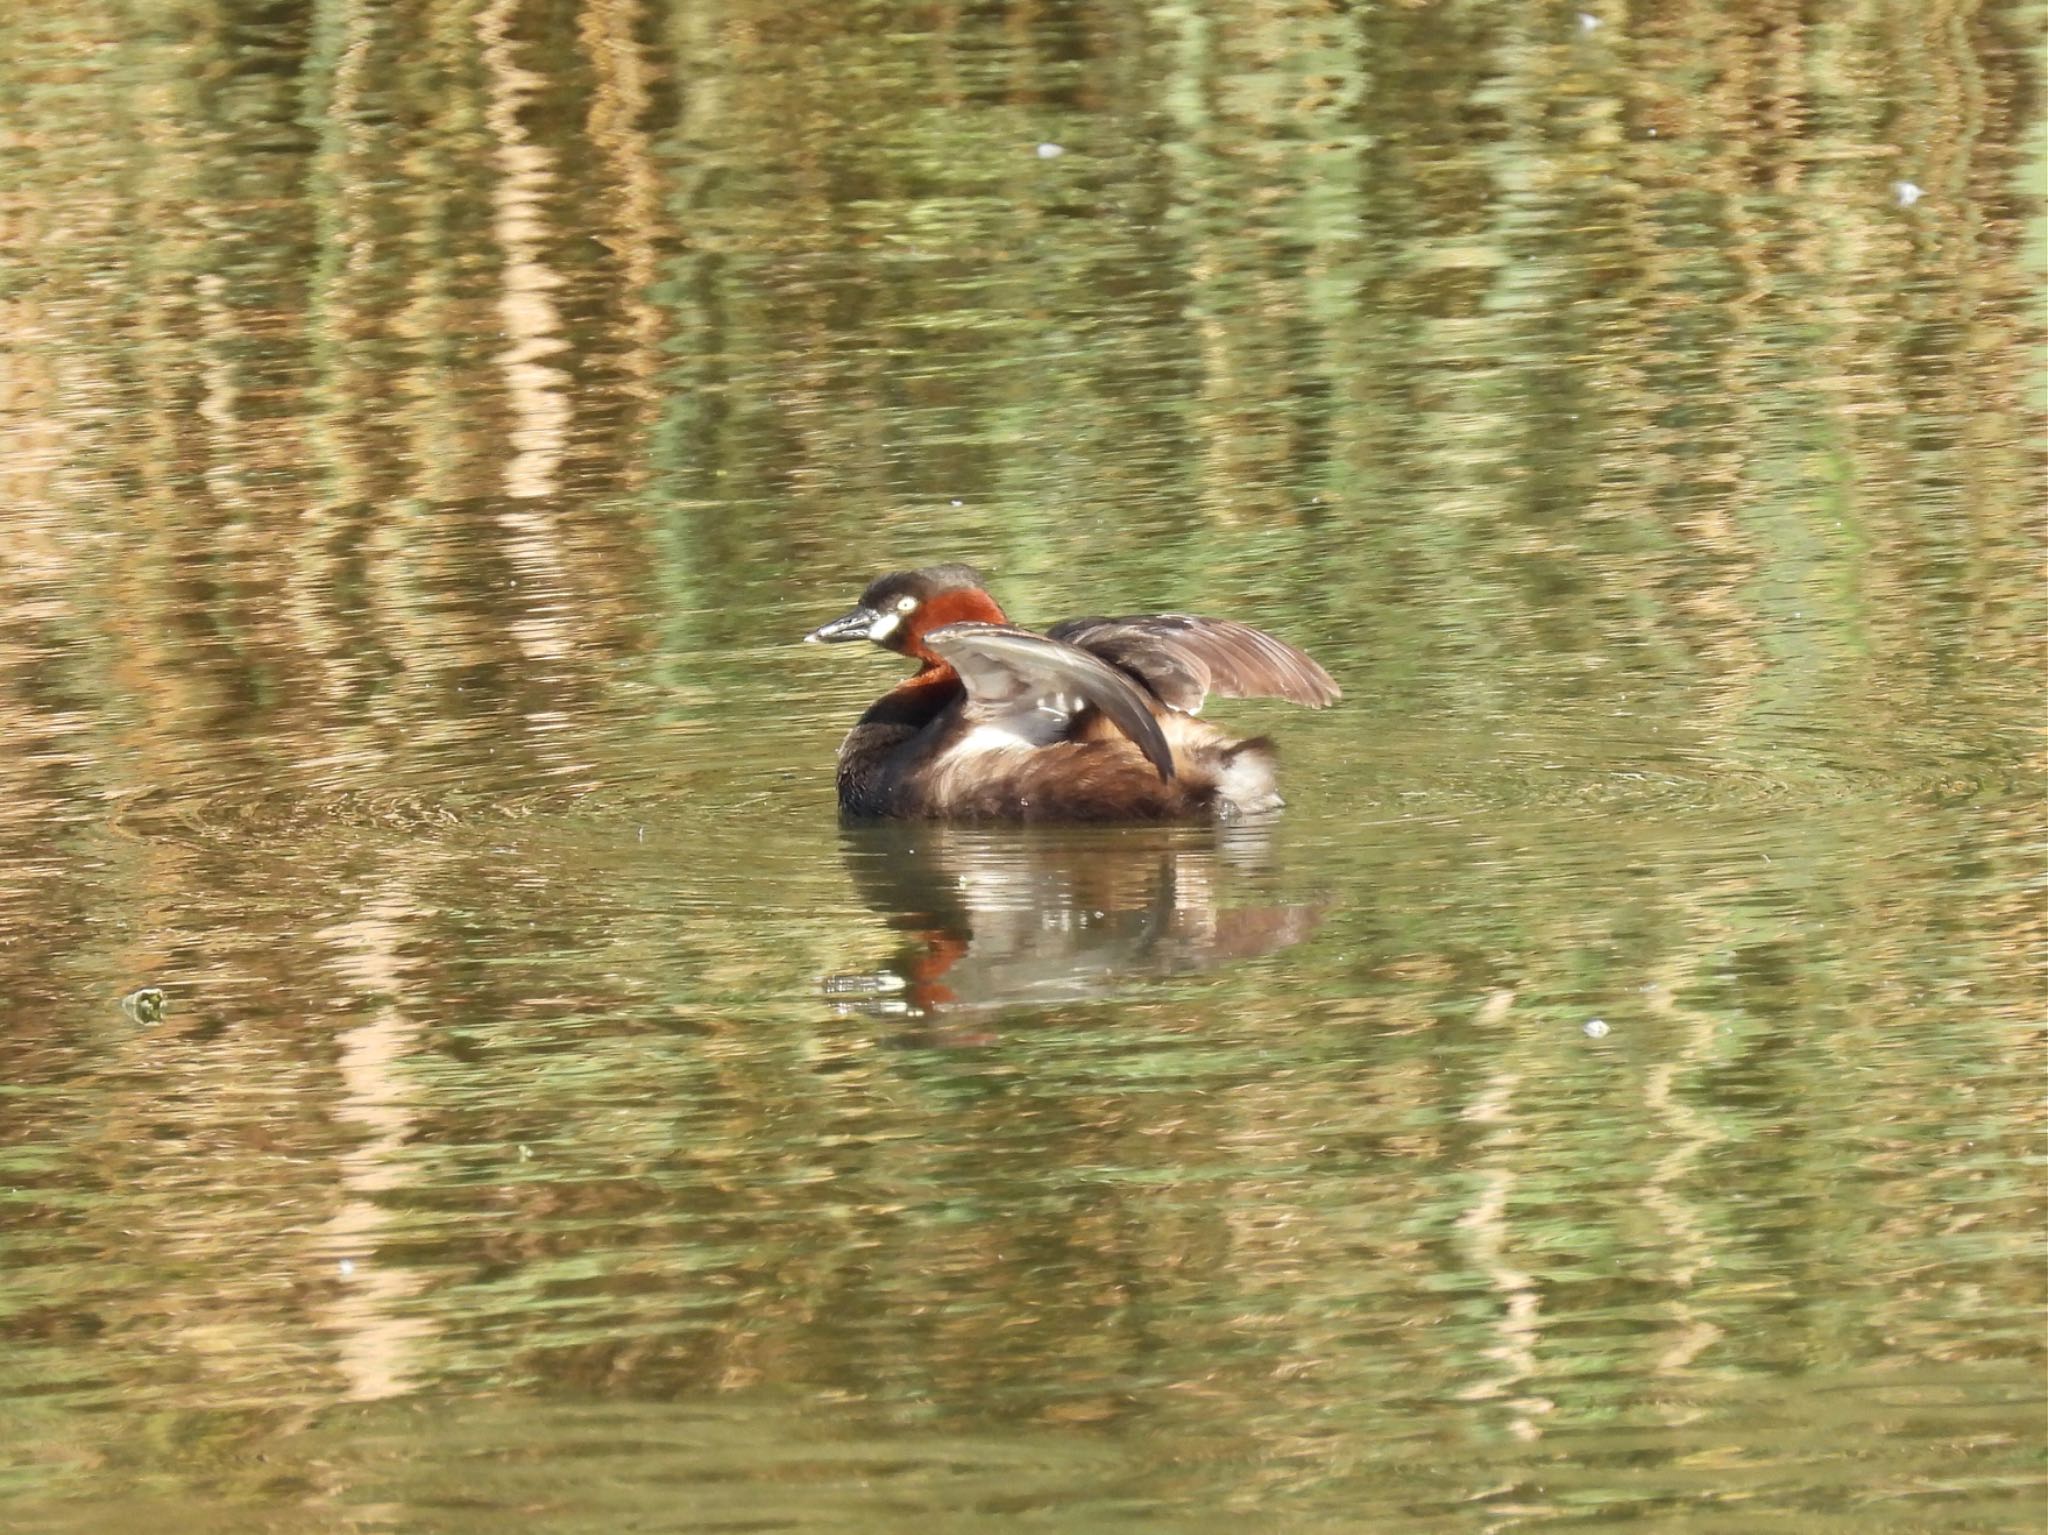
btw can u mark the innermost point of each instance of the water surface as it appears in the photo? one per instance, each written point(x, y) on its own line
point(1603, 1100)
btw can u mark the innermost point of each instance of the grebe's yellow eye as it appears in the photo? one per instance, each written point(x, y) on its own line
point(905, 603)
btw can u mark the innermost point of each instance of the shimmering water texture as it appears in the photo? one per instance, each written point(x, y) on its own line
point(460, 1076)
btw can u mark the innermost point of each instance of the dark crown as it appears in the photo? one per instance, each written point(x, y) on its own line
point(923, 584)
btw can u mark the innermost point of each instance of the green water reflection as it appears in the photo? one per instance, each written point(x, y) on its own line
point(430, 424)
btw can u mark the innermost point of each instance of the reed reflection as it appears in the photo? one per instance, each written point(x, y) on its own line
point(1020, 916)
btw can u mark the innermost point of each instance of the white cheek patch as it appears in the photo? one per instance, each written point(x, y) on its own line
point(884, 626)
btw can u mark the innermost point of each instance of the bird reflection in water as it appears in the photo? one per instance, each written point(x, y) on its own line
point(1010, 916)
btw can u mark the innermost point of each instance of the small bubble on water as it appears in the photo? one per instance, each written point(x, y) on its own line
point(346, 1267)
point(958, 502)
point(1588, 22)
point(1596, 1028)
point(1907, 193)
point(146, 1005)
point(1050, 151)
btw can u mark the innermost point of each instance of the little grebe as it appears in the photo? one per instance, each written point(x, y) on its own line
point(1094, 720)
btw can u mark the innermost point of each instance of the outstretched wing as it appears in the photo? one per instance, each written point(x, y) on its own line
point(1185, 659)
point(1013, 673)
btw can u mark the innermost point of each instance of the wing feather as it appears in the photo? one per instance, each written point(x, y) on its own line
point(1183, 659)
point(1011, 671)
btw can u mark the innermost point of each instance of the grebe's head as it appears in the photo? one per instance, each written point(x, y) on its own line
point(899, 609)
